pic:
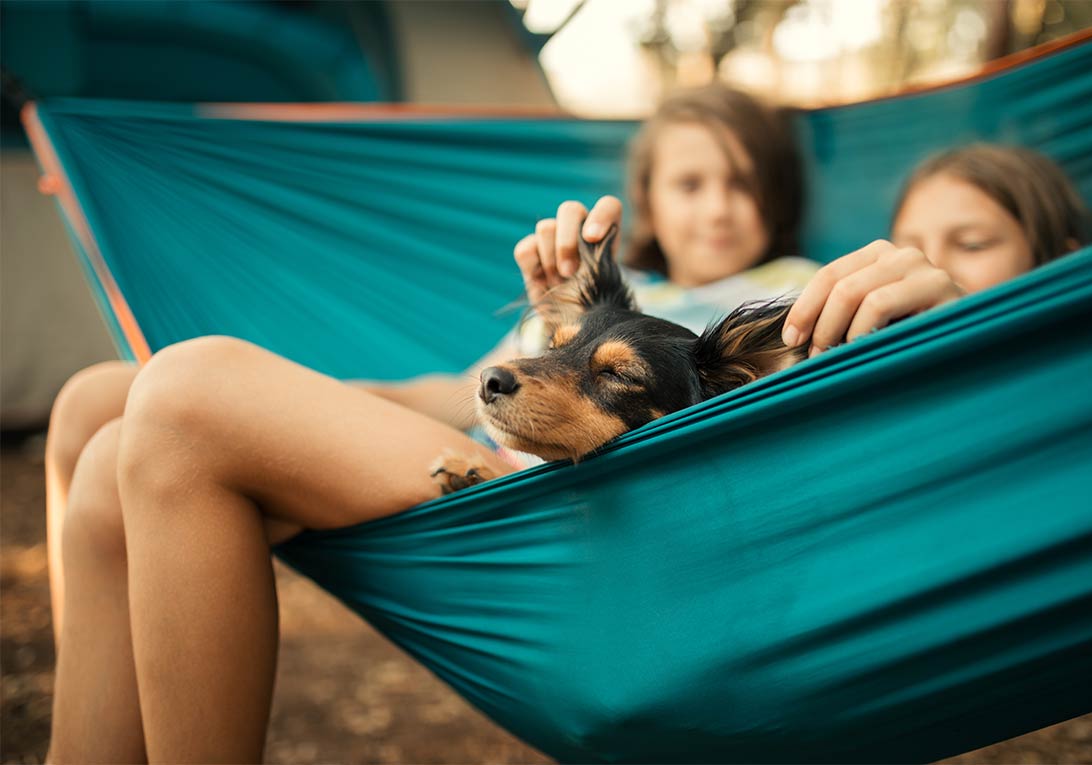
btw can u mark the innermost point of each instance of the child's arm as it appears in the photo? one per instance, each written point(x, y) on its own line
point(444, 397)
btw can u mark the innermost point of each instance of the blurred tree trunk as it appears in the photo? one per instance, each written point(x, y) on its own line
point(999, 35)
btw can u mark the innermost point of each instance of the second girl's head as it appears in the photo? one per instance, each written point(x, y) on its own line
point(986, 214)
point(716, 186)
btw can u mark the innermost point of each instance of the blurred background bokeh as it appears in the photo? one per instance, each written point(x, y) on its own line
point(592, 58)
point(617, 57)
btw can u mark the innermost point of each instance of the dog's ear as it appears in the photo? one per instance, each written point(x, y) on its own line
point(600, 277)
point(743, 347)
point(597, 282)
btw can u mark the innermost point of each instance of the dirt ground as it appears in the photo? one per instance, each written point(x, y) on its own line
point(344, 694)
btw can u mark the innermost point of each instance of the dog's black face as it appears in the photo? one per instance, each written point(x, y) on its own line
point(609, 368)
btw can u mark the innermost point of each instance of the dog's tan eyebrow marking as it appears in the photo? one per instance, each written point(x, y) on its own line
point(616, 354)
point(564, 334)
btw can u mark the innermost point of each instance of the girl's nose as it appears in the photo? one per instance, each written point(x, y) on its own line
point(937, 254)
point(720, 203)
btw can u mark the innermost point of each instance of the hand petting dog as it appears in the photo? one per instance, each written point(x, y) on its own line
point(551, 254)
point(865, 291)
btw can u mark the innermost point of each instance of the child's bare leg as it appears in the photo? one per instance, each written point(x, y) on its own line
point(90, 399)
point(219, 434)
point(96, 715)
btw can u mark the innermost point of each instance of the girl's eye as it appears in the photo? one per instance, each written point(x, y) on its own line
point(977, 245)
point(689, 184)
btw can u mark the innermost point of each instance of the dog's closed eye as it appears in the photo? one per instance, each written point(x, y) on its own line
point(628, 377)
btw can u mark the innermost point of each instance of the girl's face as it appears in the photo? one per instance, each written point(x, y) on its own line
point(704, 215)
point(962, 230)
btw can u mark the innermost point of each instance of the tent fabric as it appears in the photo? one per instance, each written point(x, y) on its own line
point(881, 553)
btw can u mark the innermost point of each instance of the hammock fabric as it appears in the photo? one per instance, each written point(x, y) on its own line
point(185, 50)
point(884, 553)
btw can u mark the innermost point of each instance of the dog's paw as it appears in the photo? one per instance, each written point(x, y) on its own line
point(453, 471)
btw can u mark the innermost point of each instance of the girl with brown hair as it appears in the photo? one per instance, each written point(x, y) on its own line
point(967, 219)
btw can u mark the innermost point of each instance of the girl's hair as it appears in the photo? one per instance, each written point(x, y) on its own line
point(764, 133)
point(1027, 184)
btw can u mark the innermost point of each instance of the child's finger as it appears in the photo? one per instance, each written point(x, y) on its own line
point(546, 235)
point(530, 267)
point(845, 299)
point(607, 211)
point(567, 244)
point(804, 314)
point(923, 288)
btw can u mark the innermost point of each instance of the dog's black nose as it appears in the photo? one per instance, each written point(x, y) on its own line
point(497, 381)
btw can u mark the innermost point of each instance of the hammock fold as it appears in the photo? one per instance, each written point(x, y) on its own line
point(884, 553)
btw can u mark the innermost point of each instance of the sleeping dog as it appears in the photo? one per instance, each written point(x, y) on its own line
point(610, 368)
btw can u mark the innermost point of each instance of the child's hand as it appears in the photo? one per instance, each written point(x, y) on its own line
point(549, 256)
point(863, 291)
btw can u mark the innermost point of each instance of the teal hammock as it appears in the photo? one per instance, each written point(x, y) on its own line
point(884, 553)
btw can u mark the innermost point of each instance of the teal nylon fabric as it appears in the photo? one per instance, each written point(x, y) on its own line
point(281, 231)
point(278, 233)
point(883, 553)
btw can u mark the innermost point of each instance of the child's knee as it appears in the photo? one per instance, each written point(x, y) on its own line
point(175, 414)
point(93, 520)
point(182, 382)
point(87, 401)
